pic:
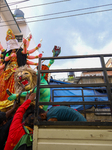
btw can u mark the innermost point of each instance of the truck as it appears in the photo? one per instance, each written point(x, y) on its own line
point(94, 134)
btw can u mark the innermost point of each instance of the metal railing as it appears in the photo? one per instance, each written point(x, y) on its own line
point(106, 85)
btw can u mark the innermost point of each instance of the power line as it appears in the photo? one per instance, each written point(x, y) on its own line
point(13, 3)
point(62, 17)
point(40, 4)
point(106, 5)
point(68, 0)
point(63, 12)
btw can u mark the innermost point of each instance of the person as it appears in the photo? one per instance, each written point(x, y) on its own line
point(18, 132)
point(65, 105)
point(61, 113)
point(5, 122)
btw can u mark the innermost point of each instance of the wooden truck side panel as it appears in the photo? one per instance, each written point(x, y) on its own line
point(71, 138)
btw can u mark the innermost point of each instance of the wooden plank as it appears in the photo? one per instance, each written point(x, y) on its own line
point(91, 134)
point(74, 146)
point(72, 139)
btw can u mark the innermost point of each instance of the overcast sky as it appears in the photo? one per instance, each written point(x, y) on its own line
point(77, 35)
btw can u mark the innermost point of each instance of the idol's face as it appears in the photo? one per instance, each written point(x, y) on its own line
point(24, 79)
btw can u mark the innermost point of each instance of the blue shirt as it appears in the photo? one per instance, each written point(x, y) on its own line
point(64, 113)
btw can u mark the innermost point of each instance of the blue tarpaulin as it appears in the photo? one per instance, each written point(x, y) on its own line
point(76, 91)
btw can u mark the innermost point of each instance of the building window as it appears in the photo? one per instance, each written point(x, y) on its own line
point(19, 38)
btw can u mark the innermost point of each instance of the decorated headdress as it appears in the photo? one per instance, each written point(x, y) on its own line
point(10, 35)
point(12, 42)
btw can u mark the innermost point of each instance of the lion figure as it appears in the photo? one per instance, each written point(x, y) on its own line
point(25, 80)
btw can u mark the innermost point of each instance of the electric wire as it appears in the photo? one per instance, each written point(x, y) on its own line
point(39, 5)
point(51, 14)
point(106, 5)
point(69, 0)
point(62, 17)
point(12, 3)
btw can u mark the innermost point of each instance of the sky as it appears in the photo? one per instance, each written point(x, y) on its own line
point(77, 35)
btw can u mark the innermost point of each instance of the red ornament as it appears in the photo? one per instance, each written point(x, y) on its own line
point(40, 55)
point(39, 45)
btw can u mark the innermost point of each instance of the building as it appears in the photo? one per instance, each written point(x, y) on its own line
point(96, 77)
point(16, 22)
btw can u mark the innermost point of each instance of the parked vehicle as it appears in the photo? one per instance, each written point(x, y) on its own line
point(94, 134)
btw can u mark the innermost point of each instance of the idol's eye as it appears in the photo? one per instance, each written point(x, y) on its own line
point(25, 73)
point(18, 76)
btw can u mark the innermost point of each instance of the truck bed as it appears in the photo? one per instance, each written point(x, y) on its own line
point(72, 138)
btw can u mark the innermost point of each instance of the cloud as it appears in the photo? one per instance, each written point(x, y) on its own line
point(80, 35)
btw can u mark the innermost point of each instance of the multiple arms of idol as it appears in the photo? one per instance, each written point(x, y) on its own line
point(25, 51)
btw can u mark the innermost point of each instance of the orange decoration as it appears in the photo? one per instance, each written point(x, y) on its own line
point(44, 67)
